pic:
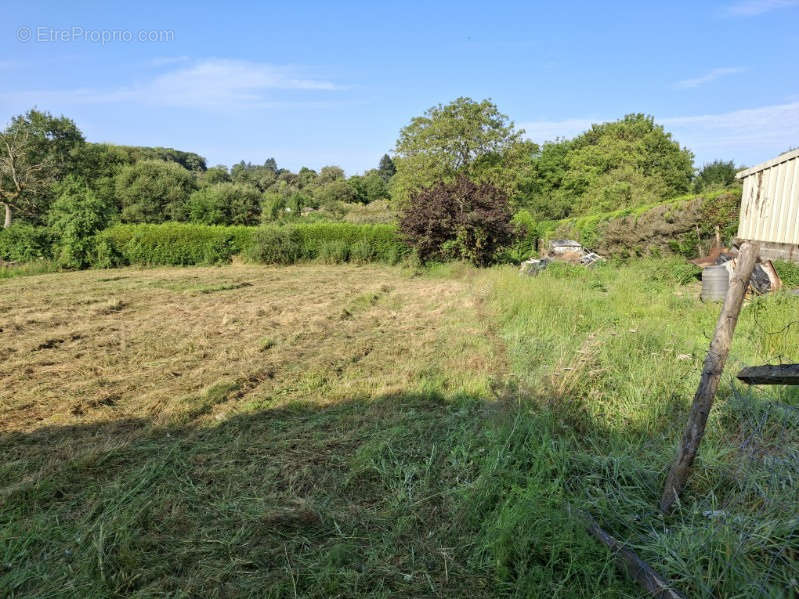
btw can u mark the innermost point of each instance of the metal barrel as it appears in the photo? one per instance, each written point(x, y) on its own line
point(715, 283)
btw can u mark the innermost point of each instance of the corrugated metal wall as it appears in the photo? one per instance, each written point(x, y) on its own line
point(770, 201)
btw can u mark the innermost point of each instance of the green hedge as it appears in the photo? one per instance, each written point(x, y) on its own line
point(186, 244)
point(177, 244)
point(685, 225)
point(22, 242)
point(326, 242)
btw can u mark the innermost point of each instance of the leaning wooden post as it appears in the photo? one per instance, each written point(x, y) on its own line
point(711, 373)
point(638, 569)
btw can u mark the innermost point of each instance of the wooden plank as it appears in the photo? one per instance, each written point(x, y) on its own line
point(638, 569)
point(711, 373)
point(780, 374)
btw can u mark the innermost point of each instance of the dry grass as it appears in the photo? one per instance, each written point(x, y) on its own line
point(192, 429)
point(90, 347)
point(344, 431)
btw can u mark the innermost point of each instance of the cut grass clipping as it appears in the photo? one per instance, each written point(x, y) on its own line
point(366, 431)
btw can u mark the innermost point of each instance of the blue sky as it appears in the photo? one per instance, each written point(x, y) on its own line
point(317, 83)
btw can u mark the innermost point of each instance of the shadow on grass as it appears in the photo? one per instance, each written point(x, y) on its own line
point(409, 495)
point(403, 495)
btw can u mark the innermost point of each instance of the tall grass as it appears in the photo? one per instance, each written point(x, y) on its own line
point(610, 358)
point(428, 435)
point(36, 267)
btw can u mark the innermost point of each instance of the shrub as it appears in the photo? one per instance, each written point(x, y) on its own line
point(22, 242)
point(361, 252)
point(76, 215)
point(334, 251)
point(375, 212)
point(153, 191)
point(184, 244)
point(275, 245)
point(225, 204)
point(457, 220)
point(333, 242)
point(525, 239)
point(175, 244)
point(273, 207)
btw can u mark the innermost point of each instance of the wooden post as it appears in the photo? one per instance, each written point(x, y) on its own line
point(652, 582)
point(711, 373)
point(780, 374)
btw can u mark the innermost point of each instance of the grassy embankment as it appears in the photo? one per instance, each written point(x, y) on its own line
point(365, 431)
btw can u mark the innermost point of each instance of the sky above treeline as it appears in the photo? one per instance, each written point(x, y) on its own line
point(316, 83)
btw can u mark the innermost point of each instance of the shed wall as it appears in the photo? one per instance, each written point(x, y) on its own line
point(770, 201)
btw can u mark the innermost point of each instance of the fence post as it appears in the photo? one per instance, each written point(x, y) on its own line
point(711, 373)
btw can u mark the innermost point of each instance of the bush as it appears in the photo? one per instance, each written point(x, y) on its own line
point(153, 191)
point(458, 220)
point(273, 207)
point(525, 239)
point(185, 244)
point(76, 215)
point(22, 242)
point(361, 252)
point(330, 242)
point(335, 251)
point(177, 244)
point(225, 204)
point(275, 245)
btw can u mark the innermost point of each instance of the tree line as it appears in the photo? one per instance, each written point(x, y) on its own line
point(51, 176)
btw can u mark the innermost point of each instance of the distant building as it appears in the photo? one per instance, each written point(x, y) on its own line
point(770, 206)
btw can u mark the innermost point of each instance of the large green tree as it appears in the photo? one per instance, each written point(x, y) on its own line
point(75, 216)
point(715, 175)
point(620, 164)
point(328, 174)
point(386, 169)
point(369, 187)
point(462, 138)
point(36, 150)
point(225, 204)
point(153, 191)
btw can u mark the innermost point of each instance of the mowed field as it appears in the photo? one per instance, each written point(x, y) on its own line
point(213, 431)
point(344, 431)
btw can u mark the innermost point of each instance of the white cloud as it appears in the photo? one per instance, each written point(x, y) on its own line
point(750, 8)
point(212, 84)
point(223, 83)
point(762, 127)
point(161, 61)
point(748, 136)
point(549, 130)
point(708, 77)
